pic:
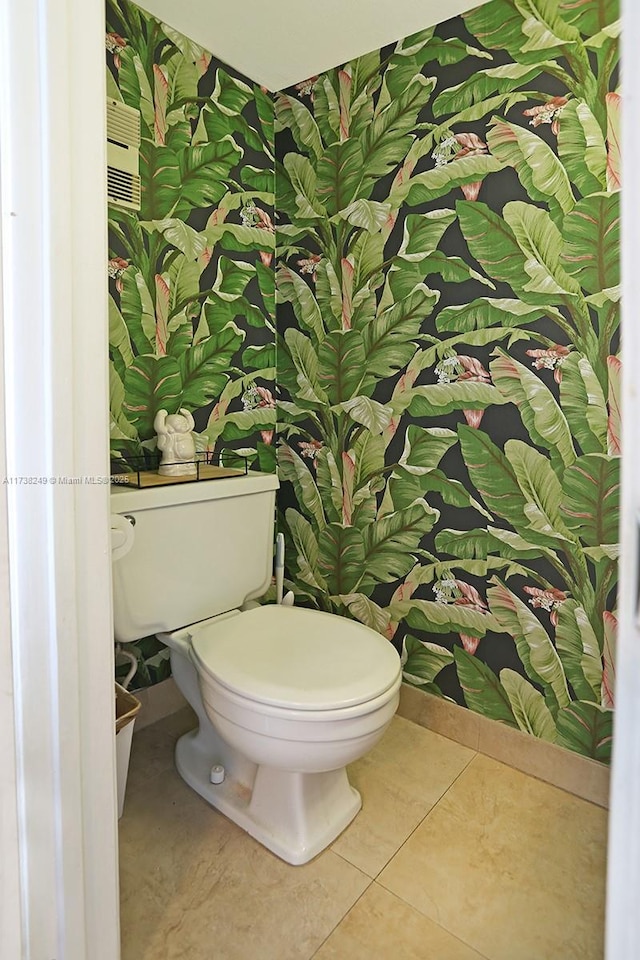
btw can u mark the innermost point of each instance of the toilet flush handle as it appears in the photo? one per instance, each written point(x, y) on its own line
point(122, 535)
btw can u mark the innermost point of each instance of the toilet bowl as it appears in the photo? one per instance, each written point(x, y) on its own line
point(285, 698)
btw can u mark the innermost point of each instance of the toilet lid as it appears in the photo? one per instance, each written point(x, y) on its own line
point(297, 658)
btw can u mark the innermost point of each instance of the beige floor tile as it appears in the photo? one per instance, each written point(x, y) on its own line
point(152, 747)
point(399, 780)
point(194, 886)
point(382, 927)
point(510, 865)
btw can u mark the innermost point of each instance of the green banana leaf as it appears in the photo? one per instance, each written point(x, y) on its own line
point(483, 692)
point(292, 289)
point(341, 560)
point(493, 476)
point(487, 312)
point(151, 384)
point(390, 541)
point(540, 171)
point(307, 550)
point(536, 651)
point(591, 17)
point(484, 84)
point(341, 364)
point(591, 242)
point(293, 469)
point(340, 173)
point(582, 148)
point(545, 422)
point(579, 650)
point(531, 712)
point(422, 660)
point(425, 447)
point(591, 498)
point(541, 489)
point(366, 611)
point(583, 404)
point(204, 368)
point(587, 729)
point(161, 178)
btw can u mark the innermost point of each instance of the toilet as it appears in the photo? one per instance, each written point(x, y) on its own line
point(285, 697)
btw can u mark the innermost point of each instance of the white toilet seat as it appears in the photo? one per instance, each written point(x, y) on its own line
point(290, 659)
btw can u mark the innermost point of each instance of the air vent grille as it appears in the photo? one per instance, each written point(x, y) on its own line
point(123, 142)
point(123, 188)
point(123, 124)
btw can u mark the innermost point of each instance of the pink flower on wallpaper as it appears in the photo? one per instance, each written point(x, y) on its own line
point(264, 221)
point(460, 368)
point(266, 397)
point(309, 265)
point(115, 45)
point(469, 643)
point(550, 600)
point(473, 418)
point(548, 112)
point(461, 594)
point(456, 147)
point(306, 87)
point(256, 397)
point(267, 436)
point(116, 267)
point(550, 359)
point(254, 216)
point(471, 145)
point(310, 448)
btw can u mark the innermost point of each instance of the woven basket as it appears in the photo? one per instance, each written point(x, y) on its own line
point(126, 707)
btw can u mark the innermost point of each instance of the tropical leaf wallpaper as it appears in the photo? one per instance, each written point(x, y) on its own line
point(192, 313)
point(446, 244)
point(448, 283)
point(191, 278)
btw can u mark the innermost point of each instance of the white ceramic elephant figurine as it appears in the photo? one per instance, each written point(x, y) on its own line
point(175, 441)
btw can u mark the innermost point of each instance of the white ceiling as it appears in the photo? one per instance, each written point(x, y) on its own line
point(280, 42)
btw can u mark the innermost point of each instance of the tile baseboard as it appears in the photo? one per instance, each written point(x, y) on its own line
point(157, 702)
point(569, 771)
point(577, 775)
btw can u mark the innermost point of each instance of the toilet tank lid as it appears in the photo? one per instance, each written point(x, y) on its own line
point(126, 499)
point(297, 658)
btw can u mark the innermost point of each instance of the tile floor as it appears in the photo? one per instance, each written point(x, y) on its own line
point(454, 856)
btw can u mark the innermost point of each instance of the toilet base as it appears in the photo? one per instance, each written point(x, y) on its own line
point(295, 815)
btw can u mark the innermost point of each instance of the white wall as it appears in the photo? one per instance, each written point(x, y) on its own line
point(58, 864)
point(278, 42)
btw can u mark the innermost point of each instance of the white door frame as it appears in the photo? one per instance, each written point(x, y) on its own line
point(623, 882)
point(59, 872)
point(58, 879)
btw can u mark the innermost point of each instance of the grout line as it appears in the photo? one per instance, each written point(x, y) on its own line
point(373, 880)
point(436, 922)
point(348, 911)
point(417, 910)
point(427, 814)
point(431, 809)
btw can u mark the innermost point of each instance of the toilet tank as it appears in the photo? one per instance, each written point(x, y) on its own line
point(188, 551)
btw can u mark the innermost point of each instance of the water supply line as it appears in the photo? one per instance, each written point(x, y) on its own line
point(133, 660)
point(279, 567)
point(288, 599)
